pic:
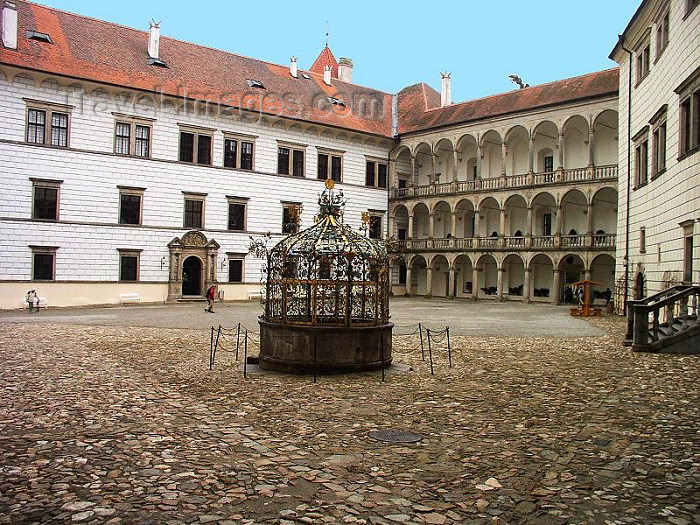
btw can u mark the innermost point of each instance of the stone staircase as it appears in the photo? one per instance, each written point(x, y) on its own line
point(665, 322)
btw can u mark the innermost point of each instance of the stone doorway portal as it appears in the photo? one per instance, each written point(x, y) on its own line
point(192, 265)
point(192, 276)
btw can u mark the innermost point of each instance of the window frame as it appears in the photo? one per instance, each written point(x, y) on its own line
point(236, 256)
point(239, 139)
point(662, 32)
point(293, 148)
point(641, 152)
point(689, 117)
point(49, 108)
point(197, 132)
point(377, 162)
point(240, 201)
point(129, 252)
point(44, 250)
point(659, 142)
point(50, 184)
point(374, 216)
point(642, 57)
point(642, 239)
point(131, 191)
point(134, 122)
point(196, 197)
point(299, 208)
point(330, 154)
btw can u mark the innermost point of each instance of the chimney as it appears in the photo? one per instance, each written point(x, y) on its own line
point(345, 70)
point(293, 67)
point(446, 94)
point(9, 25)
point(327, 75)
point(154, 39)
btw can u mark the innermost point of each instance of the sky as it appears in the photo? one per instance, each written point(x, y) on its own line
point(396, 44)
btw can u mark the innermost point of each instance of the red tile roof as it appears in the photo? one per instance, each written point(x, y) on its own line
point(325, 58)
point(89, 49)
point(419, 105)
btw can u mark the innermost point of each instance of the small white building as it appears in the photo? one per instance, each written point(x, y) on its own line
point(659, 156)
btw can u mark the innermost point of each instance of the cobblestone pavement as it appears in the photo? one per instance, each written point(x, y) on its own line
point(111, 424)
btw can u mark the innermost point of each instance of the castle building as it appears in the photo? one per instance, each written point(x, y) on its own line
point(659, 156)
point(138, 167)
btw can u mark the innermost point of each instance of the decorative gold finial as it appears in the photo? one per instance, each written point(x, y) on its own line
point(330, 184)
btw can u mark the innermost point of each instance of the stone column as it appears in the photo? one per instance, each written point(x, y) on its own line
point(432, 225)
point(526, 285)
point(475, 283)
point(409, 233)
point(531, 156)
point(557, 226)
point(408, 280)
point(479, 154)
point(477, 220)
point(429, 281)
point(528, 233)
point(555, 287)
point(391, 225)
point(414, 171)
point(451, 285)
point(453, 226)
point(432, 164)
point(502, 223)
point(560, 158)
point(393, 176)
point(499, 283)
point(591, 145)
point(454, 165)
point(587, 275)
point(503, 156)
point(589, 224)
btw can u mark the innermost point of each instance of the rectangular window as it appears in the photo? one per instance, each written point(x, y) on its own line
point(382, 175)
point(43, 264)
point(129, 263)
point(132, 136)
point(375, 227)
point(403, 183)
point(238, 153)
point(194, 210)
point(376, 174)
point(195, 147)
point(688, 259)
point(642, 240)
point(291, 217)
point(290, 161)
point(370, 173)
point(237, 214)
point(658, 150)
point(643, 59)
point(235, 267)
point(547, 224)
point(641, 163)
point(330, 166)
point(45, 199)
point(122, 139)
point(142, 141)
point(549, 164)
point(402, 274)
point(55, 117)
point(130, 200)
point(662, 28)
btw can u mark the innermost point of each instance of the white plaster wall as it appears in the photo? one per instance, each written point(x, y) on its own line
point(673, 197)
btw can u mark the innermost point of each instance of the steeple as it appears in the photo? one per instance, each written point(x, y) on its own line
point(325, 58)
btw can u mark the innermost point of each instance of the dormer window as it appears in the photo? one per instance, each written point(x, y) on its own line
point(336, 102)
point(306, 76)
point(157, 62)
point(255, 83)
point(39, 37)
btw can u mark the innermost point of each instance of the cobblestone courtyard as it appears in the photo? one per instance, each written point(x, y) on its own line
point(106, 422)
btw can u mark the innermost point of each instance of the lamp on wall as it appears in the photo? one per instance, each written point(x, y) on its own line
point(162, 262)
point(223, 262)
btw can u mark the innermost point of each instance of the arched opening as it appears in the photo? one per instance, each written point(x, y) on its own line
point(571, 270)
point(576, 143)
point(544, 208)
point(464, 212)
point(574, 210)
point(517, 151)
point(492, 155)
point(192, 276)
point(464, 287)
point(442, 220)
point(603, 272)
point(400, 222)
point(424, 164)
point(444, 157)
point(466, 158)
point(604, 220)
point(516, 219)
point(421, 221)
point(542, 278)
point(605, 143)
point(419, 276)
point(514, 275)
point(404, 176)
point(489, 218)
point(545, 137)
point(488, 277)
point(440, 276)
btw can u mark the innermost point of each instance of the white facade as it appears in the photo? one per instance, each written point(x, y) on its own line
point(659, 197)
point(87, 237)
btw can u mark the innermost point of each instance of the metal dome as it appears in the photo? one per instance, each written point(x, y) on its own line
point(328, 274)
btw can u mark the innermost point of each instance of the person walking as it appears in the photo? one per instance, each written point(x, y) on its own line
point(31, 295)
point(211, 293)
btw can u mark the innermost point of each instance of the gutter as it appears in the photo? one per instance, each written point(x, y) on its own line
point(626, 259)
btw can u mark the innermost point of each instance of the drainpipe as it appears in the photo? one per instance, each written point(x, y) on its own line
point(621, 41)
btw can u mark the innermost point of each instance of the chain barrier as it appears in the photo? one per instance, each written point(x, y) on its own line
point(230, 340)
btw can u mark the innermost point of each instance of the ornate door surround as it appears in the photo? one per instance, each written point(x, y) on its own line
point(191, 244)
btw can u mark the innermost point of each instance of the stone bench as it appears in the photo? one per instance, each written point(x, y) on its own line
point(129, 298)
point(255, 294)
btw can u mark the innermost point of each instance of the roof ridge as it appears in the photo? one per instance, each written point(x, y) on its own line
point(524, 89)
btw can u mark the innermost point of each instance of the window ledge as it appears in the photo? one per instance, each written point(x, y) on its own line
point(658, 174)
point(689, 153)
point(639, 186)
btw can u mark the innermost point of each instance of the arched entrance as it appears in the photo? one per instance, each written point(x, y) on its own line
point(192, 265)
point(192, 276)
